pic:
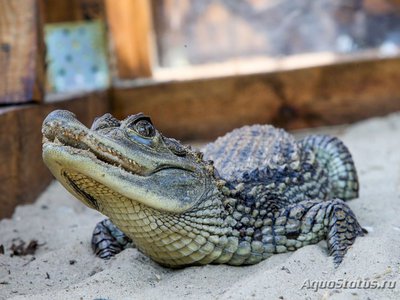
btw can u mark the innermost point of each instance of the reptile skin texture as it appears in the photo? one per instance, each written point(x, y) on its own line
point(262, 192)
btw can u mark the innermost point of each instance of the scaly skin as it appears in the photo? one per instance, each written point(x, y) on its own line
point(265, 193)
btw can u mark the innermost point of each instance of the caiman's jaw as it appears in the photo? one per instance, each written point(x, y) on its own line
point(129, 157)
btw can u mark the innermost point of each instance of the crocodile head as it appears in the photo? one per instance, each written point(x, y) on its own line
point(129, 158)
point(161, 194)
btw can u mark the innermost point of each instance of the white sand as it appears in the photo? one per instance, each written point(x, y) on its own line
point(65, 226)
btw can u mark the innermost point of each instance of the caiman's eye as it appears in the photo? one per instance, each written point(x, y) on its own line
point(144, 128)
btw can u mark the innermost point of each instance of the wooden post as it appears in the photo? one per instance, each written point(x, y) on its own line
point(130, 26)
point(22, 61)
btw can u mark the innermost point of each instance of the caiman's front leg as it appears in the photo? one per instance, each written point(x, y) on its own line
point(309, 222)
point(108, 240)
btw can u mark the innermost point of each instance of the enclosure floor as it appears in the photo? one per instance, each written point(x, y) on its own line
point(64, 267)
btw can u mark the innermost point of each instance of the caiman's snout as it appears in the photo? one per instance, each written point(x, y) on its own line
point(59, 115)
point(127, 157)
point(61, 122)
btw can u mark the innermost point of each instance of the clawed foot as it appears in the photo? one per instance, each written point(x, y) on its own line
point(309, 222)
point(108, 240)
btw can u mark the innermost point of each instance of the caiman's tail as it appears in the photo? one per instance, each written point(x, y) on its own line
point(333, 155)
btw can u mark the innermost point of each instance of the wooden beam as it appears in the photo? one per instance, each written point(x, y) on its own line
point(73, 10)
point(324, 95)
point(130, 26)
point(22, 61)
point(23, 175)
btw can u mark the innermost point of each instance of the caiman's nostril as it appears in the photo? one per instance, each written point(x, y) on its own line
point(59, 115)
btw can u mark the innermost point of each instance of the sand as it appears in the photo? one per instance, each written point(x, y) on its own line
point(64, 267)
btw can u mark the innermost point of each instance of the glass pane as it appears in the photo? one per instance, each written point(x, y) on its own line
point(198, 32)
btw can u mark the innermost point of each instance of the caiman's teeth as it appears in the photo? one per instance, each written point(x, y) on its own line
point(101, 151)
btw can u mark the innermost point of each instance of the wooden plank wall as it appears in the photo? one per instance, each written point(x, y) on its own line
point(23, 175)
point(22, 61)
point(308, 97)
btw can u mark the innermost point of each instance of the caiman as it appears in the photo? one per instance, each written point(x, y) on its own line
point(252, 193)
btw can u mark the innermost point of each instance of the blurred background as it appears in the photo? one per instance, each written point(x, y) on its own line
point(215, 31)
